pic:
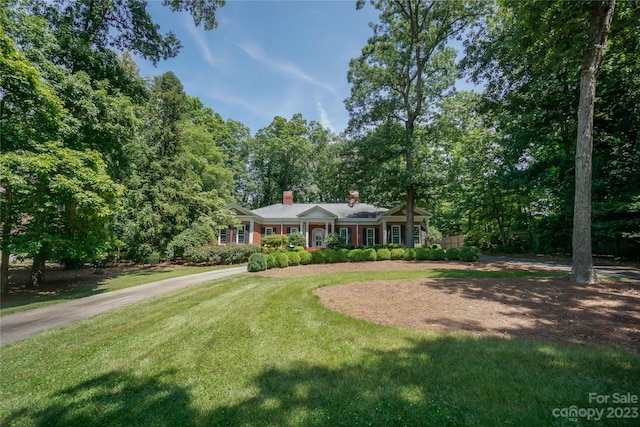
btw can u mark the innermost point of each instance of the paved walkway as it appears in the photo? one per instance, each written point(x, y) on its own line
point(18, 326)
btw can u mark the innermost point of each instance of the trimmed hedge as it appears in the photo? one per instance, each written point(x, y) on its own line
point(437, 254)
point(282, 260)
point(317, 257)
point(271, 260)
point(409, 254)
point(220, 254)
point(305, 257)
point(356, 255)
point(423, 254)
point(469, 253)
point(397, 254)
point(257, 262)
point(294, 258)
point(370, 254)
point(343, 255)
point(330, 256)
point(453, 253)
point(384, 254)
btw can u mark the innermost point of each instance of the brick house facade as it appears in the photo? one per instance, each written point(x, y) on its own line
point(356, 223)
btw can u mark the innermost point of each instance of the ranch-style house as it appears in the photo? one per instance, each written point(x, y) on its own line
point(356, 223)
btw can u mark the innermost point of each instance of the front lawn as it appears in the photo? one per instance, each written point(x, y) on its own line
point(251, 350)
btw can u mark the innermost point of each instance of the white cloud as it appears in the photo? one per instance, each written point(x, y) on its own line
point(199, 37)
point(324, 118)
point(289, 69)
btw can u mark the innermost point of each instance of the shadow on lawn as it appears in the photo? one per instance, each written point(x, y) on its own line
point(446, 381)
point(429, 382)
point(116, 398)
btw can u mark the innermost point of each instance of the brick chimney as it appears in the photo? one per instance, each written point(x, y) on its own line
point(287, 198)
point(354, 197)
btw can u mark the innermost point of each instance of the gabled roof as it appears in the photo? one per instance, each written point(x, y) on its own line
point(329, 210)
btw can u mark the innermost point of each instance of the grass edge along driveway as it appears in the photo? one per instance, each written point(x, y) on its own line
point(250, 350)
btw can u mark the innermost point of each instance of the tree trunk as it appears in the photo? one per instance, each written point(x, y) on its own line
point(6, 234)
point(4, 273)
point(582, 270)
point(37, 269)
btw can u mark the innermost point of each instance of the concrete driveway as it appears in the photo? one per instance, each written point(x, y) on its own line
point(18, 326)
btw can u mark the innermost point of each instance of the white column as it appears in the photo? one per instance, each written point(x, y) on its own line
point(306, 234)
point(384, 232)
point(251, 232)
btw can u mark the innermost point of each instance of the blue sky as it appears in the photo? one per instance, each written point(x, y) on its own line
point(269, 58)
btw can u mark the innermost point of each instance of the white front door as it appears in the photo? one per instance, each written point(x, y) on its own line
point(318, 238)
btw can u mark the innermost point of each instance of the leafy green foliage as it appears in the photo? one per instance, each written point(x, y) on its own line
point(438, 254)
point(220, 254)
point(409, 254)
point(257, 262)
point(271, 260)
point(294, 258)
point(343, 255)
point(305, 257)
point(317, 257)
point(273, 240)
point(297, 239)
point(332, 240)
point(282, 260)
point(453, 254)
point(370, 254)
point(397, 253)
point(423, 254)
point(356, 255)
point(469, 253)
point(383, 254)
point(196, 235)
point(330, 255)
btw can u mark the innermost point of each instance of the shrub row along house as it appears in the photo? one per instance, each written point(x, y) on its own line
point(356, 223)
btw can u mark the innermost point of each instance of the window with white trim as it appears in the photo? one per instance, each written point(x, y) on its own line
point(293, 230)
point(269, 231)
point(345, 235)
point(395, 234)
point(241, 234)
point(416, 235)
point(371, 237)
point(223, 236)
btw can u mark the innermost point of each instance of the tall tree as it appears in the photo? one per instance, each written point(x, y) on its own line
point(403, 70)
point(582, 270)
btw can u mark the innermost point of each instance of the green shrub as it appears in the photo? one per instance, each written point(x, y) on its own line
point(305, 257)
point(453, 253)
point(438, 254)
point(271, 260)
point(317, 257)
point(220, 254)
point(409, 254)
point(343, 255)
point(282, 260)
point(257, 262)
point(199, 233)
point(356, 255)
point(469, 253)
point(423, 254)
point(370, 254)
point(332, 240)
point(384, 254)
point(273, 240)
point(294, 258)
point(299, 248)
point(478, 238)
point(297, 239)
point(397, 253)
point(330, 256)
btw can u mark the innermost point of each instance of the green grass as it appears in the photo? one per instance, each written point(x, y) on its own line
point(125, 280)
point(250, 350)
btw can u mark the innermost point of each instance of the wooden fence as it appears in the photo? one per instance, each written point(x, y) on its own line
point(452, 241)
